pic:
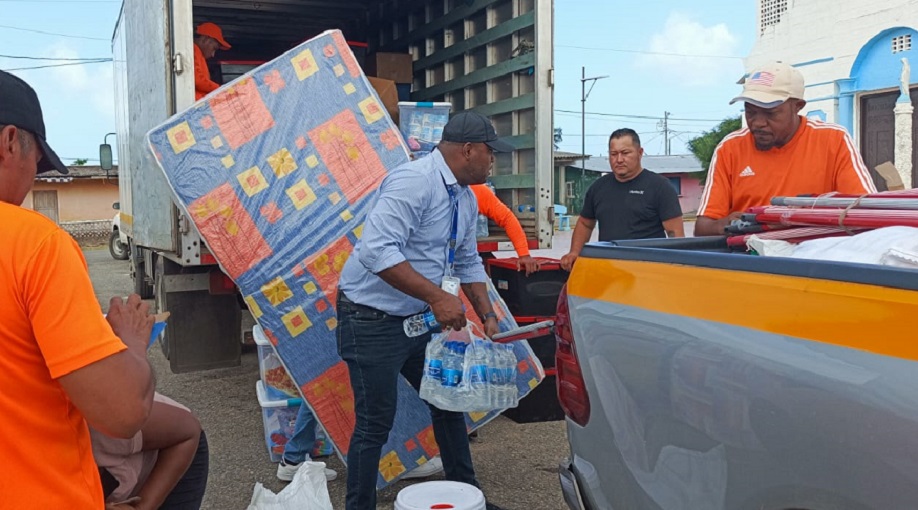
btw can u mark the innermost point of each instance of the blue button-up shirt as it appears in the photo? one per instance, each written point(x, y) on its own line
point(410, 220)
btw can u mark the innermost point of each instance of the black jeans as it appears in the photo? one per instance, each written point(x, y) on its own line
point(189, 491)
point(376, 350)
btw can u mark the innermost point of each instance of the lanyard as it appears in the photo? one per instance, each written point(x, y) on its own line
point(454, 229)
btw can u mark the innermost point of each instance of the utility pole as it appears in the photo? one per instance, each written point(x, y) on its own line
point(584, 94)
point(666, 132)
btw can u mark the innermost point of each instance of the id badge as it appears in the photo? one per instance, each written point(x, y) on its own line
point(450, 284)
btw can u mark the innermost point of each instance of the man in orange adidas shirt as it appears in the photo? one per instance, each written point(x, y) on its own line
point(209, 38)
point(779, 153)
point(62, 363)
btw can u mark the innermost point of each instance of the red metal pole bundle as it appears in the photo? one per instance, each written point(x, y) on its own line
point(840, 218)
point(792, 235)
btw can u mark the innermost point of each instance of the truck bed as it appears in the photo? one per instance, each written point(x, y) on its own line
point(724, 380)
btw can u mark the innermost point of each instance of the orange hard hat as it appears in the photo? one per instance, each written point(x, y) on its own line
point(213, 31)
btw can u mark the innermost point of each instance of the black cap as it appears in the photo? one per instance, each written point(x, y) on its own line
point(471, 127)
point(19, 107)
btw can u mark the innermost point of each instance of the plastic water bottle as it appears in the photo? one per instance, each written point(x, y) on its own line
point(510, 395)
point(434, 367)
point(477, 359)
point(481, 227)
point(496, 375)
point(432, 381)
point(417, 325)
point(451, 374)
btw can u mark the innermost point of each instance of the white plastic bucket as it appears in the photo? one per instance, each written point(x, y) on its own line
point(440, 495)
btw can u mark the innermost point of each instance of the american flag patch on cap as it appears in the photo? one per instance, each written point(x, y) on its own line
point(762, 78)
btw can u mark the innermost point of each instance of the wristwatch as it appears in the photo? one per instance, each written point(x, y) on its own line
point(488, 315)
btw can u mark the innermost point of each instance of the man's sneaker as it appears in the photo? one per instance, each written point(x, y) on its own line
point(286, 471)
point(429, 468)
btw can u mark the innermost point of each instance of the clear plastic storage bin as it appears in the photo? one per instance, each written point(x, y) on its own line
point(422, 123)
point(278, 384)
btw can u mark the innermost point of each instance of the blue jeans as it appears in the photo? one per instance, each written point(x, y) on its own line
point(376, 350)
point(303, 440)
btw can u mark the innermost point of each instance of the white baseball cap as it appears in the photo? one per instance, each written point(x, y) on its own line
point(770, 85)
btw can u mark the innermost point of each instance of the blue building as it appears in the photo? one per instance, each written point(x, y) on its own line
point(856, 58)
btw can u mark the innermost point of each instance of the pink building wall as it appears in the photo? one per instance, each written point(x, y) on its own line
point(690, 198)
point(89, 199)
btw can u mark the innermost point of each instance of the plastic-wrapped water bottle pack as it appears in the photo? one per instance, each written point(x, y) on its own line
point(469, 374)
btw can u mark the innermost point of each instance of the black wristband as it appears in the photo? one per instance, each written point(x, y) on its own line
point(488, 316)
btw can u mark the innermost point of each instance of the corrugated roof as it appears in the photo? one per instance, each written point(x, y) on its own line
point(569, 155)
point(80, 172)
point(677, 164)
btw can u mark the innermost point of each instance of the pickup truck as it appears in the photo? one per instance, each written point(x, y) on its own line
point(696, 378)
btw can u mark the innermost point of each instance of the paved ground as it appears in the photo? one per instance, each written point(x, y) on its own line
point(224, 400)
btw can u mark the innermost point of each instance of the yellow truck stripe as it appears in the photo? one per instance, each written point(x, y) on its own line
point(872, 318)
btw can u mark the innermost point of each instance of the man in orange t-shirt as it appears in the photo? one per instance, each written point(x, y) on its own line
point(492, 207)
point(209, 39)
point(61, 362)
point(779, 153)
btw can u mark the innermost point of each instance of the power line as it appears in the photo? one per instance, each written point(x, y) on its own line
point(651, 117)
point(55, 33)
point(645, 52)
point(24, 57)
point(100, 61)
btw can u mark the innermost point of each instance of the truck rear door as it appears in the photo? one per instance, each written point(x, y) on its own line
point(494, 57)
point(141, 47)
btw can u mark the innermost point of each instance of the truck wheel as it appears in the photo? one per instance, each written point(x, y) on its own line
point(118, 250)
point(142, 286)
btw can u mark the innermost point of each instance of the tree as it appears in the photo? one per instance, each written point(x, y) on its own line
point(80, 162)
point(703, 146)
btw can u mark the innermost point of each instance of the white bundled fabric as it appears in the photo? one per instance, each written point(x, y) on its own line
point(307, 491)
point(891, 246)
point(770, 247)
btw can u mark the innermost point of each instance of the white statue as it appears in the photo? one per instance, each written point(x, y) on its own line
point(905, 78)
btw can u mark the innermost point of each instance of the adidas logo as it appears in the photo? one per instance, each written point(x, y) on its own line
point(747, 172)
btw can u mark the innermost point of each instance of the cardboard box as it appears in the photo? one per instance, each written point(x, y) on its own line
point(391, 66)
point(388, 94)
point(893, 180)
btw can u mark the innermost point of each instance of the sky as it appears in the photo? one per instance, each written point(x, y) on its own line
point(659, 56)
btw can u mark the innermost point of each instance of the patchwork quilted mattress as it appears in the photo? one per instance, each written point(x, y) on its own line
point(276, 170)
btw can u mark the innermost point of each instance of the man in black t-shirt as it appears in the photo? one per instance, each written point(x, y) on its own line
point(629, 203)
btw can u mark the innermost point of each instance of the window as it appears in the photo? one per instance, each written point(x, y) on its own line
point(569, 189)
point(676, 183)
point(901, 43)
point(770, 12)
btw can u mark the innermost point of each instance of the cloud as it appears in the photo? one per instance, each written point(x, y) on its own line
point(683, 35)
point(90, 84)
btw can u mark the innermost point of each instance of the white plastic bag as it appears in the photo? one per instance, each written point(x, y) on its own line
point(307, 491)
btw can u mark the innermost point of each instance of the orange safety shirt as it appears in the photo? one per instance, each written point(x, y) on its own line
point(492, 207)
point(203, 85)
point(819, 159)
point(50, 326)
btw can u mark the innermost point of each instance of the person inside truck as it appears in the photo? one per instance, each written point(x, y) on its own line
point(208, 39)
point(163, 466)
point(62, 363)
point(493, 208)
point(418, 243)
point(628, 203)
point(778, 153)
